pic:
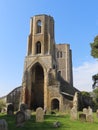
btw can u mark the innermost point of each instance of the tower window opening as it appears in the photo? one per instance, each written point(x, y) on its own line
point(38, 48)
point(59, 54)
point(39, 25)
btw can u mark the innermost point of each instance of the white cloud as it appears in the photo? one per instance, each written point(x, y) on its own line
point(82, 75)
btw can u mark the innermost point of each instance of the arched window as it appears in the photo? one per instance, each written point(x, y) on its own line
point(38, 48)
point(39, 24)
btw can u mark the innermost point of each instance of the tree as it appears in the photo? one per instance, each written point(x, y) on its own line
point(94, 53)
point(95, 79)
point(2, 104)
point(95, 99)
point(94, 47)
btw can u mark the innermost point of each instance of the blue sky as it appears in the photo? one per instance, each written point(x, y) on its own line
point(76, 23)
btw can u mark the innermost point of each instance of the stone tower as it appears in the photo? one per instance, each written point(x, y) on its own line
point(40, 85)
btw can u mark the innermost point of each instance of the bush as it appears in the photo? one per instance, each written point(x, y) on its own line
point(2, 104)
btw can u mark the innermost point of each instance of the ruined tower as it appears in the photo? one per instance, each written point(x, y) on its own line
point(41, 86)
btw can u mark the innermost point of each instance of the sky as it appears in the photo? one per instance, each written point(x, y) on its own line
point(76, 23)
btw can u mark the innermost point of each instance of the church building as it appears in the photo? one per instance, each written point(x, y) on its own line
point(47, 78)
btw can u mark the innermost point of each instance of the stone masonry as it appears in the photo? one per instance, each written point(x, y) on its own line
point(45, 65)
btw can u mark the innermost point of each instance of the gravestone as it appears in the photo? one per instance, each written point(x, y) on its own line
point(10, 109)
point(39, 114)
point(89, 118)
point(20, 118)
point(89, 114)
point(85, 111)
point(97, 113)
point(90, 111)
point(74, 113)
point(3, 124)
point(75, 100)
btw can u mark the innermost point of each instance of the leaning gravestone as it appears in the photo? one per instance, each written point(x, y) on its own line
point(74, 112)
point(3, 124)
point(10, 109)
point(39, 115)
point(20, 118)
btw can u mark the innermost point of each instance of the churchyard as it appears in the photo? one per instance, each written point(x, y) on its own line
point(65, 123)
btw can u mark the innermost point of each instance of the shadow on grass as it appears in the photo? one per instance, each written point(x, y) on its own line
point(32, 124)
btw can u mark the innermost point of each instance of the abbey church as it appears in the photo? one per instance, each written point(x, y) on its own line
point(47, 78)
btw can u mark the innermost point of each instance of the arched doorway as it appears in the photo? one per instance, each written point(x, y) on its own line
point(37, 86)
point(55, 104)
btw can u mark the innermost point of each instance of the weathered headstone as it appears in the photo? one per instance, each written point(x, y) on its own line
point(20, 118)
point(89, 118)
point(75, 100)
point(97, 113)
point(39, 115)
point(90, 111)
point(74, 113)
point(85, 111)
point(89, 114)
point(3, 124)
point(10, 109)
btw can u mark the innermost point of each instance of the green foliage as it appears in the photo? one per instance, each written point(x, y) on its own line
point(85, 100)
point(95, 98)
point(94, 48)
point(95, 79)
point(2, 104)
point(65, 121)
point(86, 94)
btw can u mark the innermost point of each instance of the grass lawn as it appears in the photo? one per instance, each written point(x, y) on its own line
point(66, 123)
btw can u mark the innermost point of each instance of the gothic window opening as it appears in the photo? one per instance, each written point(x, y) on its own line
point(59, 54)
point(38, 48)
point(39, 25)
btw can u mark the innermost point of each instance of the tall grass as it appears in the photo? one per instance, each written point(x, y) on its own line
point(65, 121)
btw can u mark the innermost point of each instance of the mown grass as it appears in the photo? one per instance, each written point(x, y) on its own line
point(65, 121)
